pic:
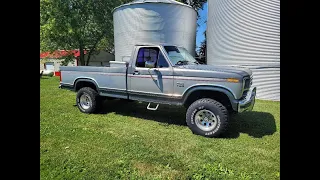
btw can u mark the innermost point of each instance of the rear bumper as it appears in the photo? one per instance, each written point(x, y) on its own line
point(248, 102)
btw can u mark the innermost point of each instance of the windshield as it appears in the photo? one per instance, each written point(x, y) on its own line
point(179, 55)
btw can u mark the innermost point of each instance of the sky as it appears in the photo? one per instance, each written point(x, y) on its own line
point(202, 25)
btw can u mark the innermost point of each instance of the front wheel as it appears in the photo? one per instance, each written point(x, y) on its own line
point(88, 100)
point(207, 117)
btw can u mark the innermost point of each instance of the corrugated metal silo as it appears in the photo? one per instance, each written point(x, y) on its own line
point(153, 21)
point(247, 33)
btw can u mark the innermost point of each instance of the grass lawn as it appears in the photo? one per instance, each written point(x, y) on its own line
point(126, 141)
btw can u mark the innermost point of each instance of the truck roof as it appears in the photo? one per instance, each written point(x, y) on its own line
point(155, 44)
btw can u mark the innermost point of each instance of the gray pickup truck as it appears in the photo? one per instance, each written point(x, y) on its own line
point(166, 74)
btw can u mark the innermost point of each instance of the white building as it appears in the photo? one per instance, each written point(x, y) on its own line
point(53, 60)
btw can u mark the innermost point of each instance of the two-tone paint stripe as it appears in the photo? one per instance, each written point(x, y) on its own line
point(182, 78)
point(101, 73)
point(155, 76)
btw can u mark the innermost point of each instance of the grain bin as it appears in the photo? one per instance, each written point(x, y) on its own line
point(247, 33)
point(153, 21)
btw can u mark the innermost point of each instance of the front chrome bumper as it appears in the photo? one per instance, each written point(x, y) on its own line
point(248, 102)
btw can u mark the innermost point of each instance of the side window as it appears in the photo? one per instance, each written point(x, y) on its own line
point(162, 62)
point(144, 54)
point(151, 54)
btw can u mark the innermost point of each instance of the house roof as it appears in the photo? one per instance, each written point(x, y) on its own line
point(60, 53)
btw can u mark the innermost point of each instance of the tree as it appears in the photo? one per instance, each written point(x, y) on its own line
point(203, 45)
point(202, 52)
point(86, 25)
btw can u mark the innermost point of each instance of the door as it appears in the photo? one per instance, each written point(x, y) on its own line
point(156, 81)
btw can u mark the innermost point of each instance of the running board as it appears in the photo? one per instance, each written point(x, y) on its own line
point(152, 109)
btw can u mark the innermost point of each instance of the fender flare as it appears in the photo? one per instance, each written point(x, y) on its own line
point(223, 90)
point(85, 80)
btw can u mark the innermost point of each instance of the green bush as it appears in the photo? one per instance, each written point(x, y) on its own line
point(50, 74)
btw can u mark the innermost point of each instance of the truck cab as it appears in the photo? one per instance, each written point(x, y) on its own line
point(170, 72)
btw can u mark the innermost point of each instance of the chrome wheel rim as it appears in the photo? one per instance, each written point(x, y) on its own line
point(206, 120)
point(85, 101)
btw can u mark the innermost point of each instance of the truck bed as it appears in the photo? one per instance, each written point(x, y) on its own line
point(112, 77)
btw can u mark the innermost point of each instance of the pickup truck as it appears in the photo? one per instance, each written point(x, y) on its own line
point(166, 74)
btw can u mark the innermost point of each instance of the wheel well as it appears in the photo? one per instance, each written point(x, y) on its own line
point(80, 84)
point(216, 95)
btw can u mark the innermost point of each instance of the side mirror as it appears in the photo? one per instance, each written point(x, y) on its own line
point(150, 64)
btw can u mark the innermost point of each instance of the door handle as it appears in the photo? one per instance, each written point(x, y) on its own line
point(136, 73)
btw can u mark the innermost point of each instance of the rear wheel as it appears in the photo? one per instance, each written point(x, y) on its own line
point(207, 117)
point(88, 100)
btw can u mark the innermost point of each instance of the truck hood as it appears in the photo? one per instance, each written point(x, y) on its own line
point(219, 68)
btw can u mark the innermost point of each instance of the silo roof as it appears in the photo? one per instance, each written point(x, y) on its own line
point(153, 1)
point(157, 1)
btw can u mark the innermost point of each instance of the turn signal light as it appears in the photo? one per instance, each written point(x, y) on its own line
point(233, 80)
